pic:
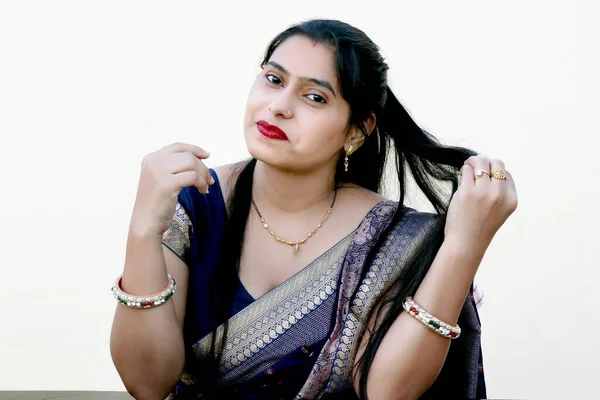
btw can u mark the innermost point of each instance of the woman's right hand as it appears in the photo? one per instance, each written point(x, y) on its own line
point(164, 173)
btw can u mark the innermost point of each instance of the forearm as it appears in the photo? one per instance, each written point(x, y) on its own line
point(411, 355)
point(146, 344)
point(446, 285)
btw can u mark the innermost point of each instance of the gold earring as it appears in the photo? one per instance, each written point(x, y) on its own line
point(346, 159)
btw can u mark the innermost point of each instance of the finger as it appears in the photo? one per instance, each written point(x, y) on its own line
point(495, 166)
point(467, 176)
point(509, 183)
point(512, 186)
point(505, 188)
point(511, 180)
point(185, 147)
point(180, 162)
point(191, 178)
point(481, 168)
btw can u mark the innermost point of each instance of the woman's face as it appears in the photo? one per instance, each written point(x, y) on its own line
point(297, 92)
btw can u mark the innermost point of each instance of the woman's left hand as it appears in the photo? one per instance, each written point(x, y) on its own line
point(482, 203)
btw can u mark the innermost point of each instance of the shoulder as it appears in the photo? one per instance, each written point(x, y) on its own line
point(358, 198)
point(191, 199)
point(227, 175)
point(197, 214)
point(201, 207)
point(414, 227)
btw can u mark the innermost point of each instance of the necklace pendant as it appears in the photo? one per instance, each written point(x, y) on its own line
point(296, 245)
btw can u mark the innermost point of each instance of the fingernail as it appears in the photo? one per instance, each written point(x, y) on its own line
point(212, 180)
point(206, 190)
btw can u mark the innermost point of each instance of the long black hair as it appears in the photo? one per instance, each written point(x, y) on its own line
point(396, 140)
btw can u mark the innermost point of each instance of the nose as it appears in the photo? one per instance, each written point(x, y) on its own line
point(280, 106)
point(287, 114)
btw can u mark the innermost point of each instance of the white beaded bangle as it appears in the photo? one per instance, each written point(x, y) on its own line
point(144, 301)
point(439, 327)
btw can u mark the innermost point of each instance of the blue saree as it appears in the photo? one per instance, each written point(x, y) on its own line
point(299, 340)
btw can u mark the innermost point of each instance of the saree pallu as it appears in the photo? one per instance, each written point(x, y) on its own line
point(299, 341)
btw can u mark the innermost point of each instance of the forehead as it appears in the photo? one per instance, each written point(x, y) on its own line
point(301, 56)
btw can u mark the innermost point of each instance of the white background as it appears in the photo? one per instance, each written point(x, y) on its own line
point(88, 88)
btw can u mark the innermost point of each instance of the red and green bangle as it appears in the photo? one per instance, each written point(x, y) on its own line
point(143, 301)
point(439, 327)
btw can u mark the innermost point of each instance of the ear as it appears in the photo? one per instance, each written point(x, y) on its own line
point(356, 136)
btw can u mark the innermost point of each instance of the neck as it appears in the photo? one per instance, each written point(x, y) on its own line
point(289, 192)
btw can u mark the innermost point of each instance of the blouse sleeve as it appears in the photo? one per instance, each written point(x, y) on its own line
point(177, 236)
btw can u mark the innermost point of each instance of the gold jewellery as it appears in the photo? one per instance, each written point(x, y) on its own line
point(498, 174)
point(346, 159)
point(479, 173)
point(298, 243)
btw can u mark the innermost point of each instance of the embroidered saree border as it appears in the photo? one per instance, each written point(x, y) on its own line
point(387, 265)
point(366, 237)
point(332, 370)
point(177, 236)
point(261, 323)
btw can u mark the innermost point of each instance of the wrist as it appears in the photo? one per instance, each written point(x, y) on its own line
point(144, 233)
point(463, 250)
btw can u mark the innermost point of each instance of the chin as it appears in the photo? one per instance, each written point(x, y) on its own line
point(271, 156)
point(268, 155)
point(261, 149)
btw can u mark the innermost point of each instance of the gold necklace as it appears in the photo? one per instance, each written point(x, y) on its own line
point(297, 243)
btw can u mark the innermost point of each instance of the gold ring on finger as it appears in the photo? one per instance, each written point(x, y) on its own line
point(479, 173)
point(499, 174)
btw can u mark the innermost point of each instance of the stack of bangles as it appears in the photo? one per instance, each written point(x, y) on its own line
point(143, 301)
point(439, 327)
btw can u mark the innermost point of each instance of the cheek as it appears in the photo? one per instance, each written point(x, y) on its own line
point(327, 134)
point(256, 98)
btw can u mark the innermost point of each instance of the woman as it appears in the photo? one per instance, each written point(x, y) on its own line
point(305, 275)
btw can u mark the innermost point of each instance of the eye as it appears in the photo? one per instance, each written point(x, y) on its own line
point(273, 79)
point(316, 98)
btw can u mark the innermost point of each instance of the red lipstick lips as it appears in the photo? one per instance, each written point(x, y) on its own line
point(271, 131)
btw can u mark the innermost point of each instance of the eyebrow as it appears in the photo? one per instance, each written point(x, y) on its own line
point(316, 81)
